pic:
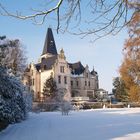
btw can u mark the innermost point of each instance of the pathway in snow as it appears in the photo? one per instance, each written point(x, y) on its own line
point(102, 124)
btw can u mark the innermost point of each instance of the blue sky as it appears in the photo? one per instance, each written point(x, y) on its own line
point(105, 54)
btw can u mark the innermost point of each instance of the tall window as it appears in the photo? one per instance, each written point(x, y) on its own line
point(71, 83)
point(65, 79)
point(85, 83)
point(77, 83)
point(32, 82)
point(59, 79)
point(62, 69)
point(32, 72)
point(87, 75)
point(89, 83)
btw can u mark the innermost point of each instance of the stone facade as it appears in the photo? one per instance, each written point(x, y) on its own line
point(78, 80)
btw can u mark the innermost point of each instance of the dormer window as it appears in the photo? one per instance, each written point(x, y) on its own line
point(51, 43)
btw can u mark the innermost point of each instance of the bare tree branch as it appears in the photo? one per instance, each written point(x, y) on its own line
point(104, 16)
point(38, 13)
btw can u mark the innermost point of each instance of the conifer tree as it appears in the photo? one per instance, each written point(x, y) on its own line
point(50, 88)
point(120, 90)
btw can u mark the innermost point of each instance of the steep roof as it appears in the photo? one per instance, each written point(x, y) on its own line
point(76, 68)
point(49, 45)
point(47, 62)
point(94, 72)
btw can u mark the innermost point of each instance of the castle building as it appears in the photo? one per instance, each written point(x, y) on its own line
point(79, 81)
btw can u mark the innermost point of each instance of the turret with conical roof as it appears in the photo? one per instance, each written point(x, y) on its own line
point(49, 45)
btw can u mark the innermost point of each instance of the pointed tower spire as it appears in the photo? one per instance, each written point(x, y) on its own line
point(49, 45)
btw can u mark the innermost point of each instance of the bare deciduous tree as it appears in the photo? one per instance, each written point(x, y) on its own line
point(102, 17)
point(12, 55)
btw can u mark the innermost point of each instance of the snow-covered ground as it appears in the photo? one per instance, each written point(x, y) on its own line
point(100, 124)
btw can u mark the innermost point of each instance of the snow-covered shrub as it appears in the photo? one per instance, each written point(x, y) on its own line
point(63, 101)
point(13, 105)
point(14, 98)
point(28, 97)
point(65, 107)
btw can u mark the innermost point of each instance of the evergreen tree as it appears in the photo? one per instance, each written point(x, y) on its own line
point(50, 88)
point(12, 104)
point(120, 90)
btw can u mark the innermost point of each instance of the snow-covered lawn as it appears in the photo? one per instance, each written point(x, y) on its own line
point(100, 124)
